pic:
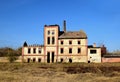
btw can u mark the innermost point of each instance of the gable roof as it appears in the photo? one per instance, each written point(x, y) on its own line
point(73, 35)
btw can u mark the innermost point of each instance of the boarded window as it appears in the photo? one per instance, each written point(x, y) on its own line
point(93, 51)
point(48, 40)
point(34, 50)
point(61, 50)
point(29, 50)
point(53, 40)
point(79, 50)
point(70, 50)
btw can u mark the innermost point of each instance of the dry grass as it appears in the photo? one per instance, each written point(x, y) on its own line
point(76, 72)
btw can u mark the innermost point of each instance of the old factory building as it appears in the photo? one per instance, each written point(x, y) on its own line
point(62, 46)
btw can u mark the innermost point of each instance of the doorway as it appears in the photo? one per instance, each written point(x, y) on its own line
point(48, 57)
point(28, 60)
point(52, 57)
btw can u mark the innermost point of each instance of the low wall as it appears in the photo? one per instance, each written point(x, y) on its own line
point(5, 59)
point(110, 59)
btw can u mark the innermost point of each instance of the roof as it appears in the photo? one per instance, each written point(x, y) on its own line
point(73, 35)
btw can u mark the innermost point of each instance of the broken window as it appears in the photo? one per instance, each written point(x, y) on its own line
point(48, 40)
point(93, 51)
point(70, 42)
point(34, 50)
point(53, 32)
point(79, 50)
point(61, 60)
point(39, 50)
point(70, 50)
point(70, 60)
point(28, 60)
point(78, 42)
point(61, 50)
point(48, 32)
point(39, 59)
point(53, 40)
point(61, 42)
point(29, 50)
point(34, 59)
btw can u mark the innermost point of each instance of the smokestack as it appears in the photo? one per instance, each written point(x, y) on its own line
point(64, 26)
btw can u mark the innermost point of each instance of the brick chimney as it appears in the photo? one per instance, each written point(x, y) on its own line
point(64, 26)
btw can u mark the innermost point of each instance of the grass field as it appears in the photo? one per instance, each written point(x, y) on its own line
point(65, 72)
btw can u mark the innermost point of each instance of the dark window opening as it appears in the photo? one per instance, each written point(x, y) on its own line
point(34, 50)
point(61, 60)
point(28, 60)
point(61, 50)
point(48, 57)
point(70, 60)
point(34, 59)
point(53, 32)
point(62, 42)
point(52, 57)
point(78, 42)
point(29, 50)
point(70, 50)
point(70, 42)
point(48, 40)
point(88, 61)
point(39, 51)
point(48, 32)
point(93, 51)
point(53, 40)
point(39, 59)
point(79, 50)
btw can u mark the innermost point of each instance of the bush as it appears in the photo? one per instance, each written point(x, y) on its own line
point(12, 56)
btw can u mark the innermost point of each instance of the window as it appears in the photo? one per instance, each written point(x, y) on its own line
point(39, 59)
point(70, 50)
point(29, 50)
point(70, 42)
point(61, 42)
point(34, 50)
point(34, 59)
point(48, 32)
point(78, 42)
point(53, 40)
point(53, 32)
point(61, 60)
point(48, 40)
point(79, 50)
point(39, 50)
point(61, 50)
point(93, 51)
point(70, 60)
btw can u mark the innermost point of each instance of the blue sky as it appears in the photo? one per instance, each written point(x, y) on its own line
point(23, 20)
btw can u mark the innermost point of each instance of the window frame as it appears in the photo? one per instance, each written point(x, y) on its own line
point(61, 50)
point(70, 50)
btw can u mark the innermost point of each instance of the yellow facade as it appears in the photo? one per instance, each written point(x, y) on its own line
point(59, 46)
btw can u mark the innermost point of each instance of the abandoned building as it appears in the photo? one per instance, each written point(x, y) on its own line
point(62, 46)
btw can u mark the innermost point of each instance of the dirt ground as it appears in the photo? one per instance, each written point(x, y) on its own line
point(18, 72)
